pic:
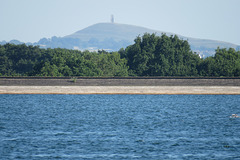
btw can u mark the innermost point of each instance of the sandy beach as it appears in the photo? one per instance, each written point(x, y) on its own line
point(119, 90)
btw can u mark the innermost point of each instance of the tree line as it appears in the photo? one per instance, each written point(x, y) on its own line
point(150, 55)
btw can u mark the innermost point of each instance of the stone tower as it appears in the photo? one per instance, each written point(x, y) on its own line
point(112, 18)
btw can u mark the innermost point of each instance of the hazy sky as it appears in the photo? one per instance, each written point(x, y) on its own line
point(31, 20)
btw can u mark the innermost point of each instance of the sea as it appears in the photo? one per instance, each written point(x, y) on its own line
point(119, 127)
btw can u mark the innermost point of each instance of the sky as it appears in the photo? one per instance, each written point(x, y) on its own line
point(31, 20)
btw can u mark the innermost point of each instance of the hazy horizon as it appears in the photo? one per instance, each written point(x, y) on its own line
point(29, 21)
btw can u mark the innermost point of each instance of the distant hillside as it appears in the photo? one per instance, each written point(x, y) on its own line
point(113, 36)
point(118, 32)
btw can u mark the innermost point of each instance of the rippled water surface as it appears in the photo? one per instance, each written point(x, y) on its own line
point(119, 127)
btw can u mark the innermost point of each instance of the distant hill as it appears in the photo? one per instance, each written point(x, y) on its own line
point(102, 31)
point(113, 36)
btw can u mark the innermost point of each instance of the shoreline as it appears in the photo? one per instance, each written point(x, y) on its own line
point(154, 90)
point(147, 85)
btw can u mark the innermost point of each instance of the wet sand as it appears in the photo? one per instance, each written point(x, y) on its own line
point(232, 90)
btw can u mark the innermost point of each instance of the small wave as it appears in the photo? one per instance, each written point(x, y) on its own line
point(11, 139)
point(87, 156)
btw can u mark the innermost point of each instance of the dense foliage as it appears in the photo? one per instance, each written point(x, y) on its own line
point(150, 55)
point(161, 56)
point(22, 60)
point(223, 63)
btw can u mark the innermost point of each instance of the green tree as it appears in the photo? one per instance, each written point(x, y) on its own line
point(152, 55)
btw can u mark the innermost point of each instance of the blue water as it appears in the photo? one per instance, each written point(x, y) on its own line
point(119, 127)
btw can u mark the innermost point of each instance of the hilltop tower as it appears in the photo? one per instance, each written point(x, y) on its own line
point(112, 18)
